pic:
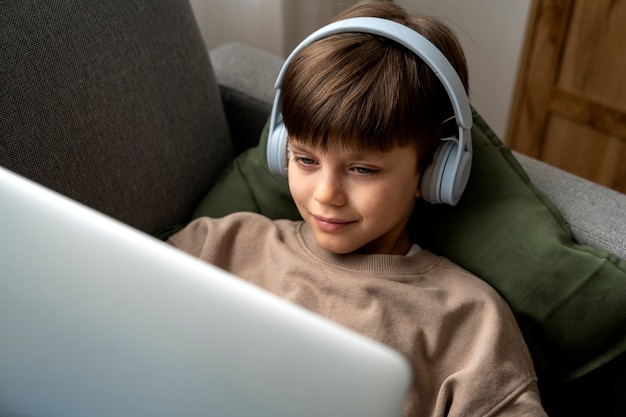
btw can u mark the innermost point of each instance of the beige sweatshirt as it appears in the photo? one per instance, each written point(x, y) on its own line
point(467, 353)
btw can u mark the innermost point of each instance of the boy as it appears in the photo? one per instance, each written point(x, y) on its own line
point(364, 117)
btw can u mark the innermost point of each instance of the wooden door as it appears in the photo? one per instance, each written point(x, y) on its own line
point(570, 101)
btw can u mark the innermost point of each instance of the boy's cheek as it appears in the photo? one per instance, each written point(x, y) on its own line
point(297, 184)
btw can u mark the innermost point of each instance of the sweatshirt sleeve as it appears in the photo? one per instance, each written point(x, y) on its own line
point(525, 404)
point(193, 238)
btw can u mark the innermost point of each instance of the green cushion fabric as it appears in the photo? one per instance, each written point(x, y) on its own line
point(248, 185)
point(569, 300)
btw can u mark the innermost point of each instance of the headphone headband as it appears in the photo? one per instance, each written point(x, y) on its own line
point(454, 165)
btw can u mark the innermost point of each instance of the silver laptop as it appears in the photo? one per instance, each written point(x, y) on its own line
point(98, 319)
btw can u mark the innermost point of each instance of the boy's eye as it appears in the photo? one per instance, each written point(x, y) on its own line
point(304, 160)
point(365, 171)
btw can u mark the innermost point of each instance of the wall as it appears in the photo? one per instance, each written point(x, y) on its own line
point(491, 32)
point(254, 22)
point(492, 35)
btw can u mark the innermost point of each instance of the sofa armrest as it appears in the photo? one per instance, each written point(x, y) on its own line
point(246, 77)
point(595, 214)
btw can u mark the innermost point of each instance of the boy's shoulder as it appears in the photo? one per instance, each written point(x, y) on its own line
point(459, 282)
point(242, 219)
point(236, 226)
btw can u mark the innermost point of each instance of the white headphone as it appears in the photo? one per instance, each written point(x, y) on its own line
point(445, 179)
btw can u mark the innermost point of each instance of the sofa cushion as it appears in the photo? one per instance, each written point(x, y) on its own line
point(569, 299)
point(113, 104)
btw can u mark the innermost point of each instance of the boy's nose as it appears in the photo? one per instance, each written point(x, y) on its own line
point(330, 190)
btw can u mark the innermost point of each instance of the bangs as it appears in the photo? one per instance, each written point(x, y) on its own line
point(359, 102)
point(373, 96)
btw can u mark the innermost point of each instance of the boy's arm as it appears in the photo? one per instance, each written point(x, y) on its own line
point(526, 404)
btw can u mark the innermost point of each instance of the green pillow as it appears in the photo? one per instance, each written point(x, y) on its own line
point(570, 300)
point(248, 185)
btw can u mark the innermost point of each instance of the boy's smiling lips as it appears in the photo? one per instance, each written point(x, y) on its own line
point(331, 224)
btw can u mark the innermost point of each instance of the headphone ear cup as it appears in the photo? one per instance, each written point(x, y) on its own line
point(277, 159)
point(441, 182)
point(431, 177)
point(454, 180)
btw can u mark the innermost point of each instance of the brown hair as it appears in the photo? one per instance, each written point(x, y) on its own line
point(362, 91)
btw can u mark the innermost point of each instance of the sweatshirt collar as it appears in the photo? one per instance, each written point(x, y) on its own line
point(414, 262)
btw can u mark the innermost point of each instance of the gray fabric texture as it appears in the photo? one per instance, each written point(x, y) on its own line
point(112, 103)
point(246, 78)
point(248, 69)
point(595, 214)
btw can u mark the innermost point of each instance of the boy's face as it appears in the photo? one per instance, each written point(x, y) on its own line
point(355, 202)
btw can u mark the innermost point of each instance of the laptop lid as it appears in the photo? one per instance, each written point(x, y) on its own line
point(99, 319)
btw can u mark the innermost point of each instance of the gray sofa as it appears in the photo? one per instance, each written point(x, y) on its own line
point(118, 105)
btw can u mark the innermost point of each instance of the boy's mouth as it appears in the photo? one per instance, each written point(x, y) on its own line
point(331, 224)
